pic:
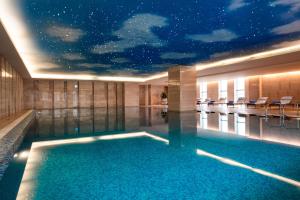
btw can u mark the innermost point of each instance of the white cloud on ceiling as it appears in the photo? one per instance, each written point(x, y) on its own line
point(294, 5)
point(236, 4)
point(90, 65)
point(177, 55)
point(292, 27)
point(135, 31)
point(73, 56)
point(120, 60)
point(65, 34)
point(220, 35)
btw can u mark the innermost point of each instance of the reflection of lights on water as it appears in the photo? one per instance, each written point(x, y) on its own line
point(22, 155)
point(241, 165)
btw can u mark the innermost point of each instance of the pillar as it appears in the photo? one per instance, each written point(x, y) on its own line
point(182, 89)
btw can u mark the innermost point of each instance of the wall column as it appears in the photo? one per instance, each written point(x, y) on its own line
point(182, 89)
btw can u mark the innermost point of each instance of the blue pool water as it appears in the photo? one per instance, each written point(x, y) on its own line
point(180, 156)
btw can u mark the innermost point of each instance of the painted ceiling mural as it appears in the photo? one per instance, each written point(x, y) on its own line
point(145, 37)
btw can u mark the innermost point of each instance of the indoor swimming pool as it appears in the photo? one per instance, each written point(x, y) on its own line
point(143, 153)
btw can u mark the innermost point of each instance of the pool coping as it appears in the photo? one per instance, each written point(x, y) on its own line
point(11, 137)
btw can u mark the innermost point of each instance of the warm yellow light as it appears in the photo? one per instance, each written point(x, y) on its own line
point(282, 74)
point(157, 76)
point(86, 139)
point(255, 56)
point(241, 165)
point(155, 137)
point(276, 140)
point(36, 61)
point(24, 155)
point(86, 77)
point(6, 74)
point(96, 138)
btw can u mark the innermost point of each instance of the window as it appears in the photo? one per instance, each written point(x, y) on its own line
point(239, 85)
point(203, 91)
point(240, 125)
point(223, 89)
point(203, 120)
point(223, 123)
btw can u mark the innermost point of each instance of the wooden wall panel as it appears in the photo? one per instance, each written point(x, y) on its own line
point(120, 94)
point(28, 94)
point(6, 88)
point(182, 89)
point(252, 88)
point(59, 96)
point(72, 94)
point(2, 105)
point(48, 94)
point(213, 91)
point(278, 86)
point(85, 94)
point(143, 92)
point(100, 94)
point(11, 90)
point(112, 97)
point(230, 90)
point(156, 91)
point(131, 94)
point(43, 94)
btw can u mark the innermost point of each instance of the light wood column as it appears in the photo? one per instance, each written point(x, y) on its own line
point(182, 89)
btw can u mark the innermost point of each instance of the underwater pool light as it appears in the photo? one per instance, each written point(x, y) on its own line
point(241, 165)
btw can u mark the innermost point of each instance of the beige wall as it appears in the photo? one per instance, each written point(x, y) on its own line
point(49, 94)
point(230, 90)
point(182, 89)
point(155, 93)
point(252, 88)
point(277, 86)
point(213, 91)
point(131, 94)
point(11, 90)
point(144, 95)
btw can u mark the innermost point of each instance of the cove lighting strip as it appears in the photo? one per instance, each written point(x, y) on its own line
point(228, 161)
point(34, 60)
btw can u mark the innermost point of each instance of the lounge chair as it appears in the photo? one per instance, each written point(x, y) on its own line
point(221, 100)
point(274, 102)
point(251, 103)
point(207, 101)
point(200, 101)
point(284, 101)
point(240, 101)
point(262, 101)
point(230, 103)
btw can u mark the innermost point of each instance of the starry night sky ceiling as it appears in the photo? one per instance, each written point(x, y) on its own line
point(144, 37)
